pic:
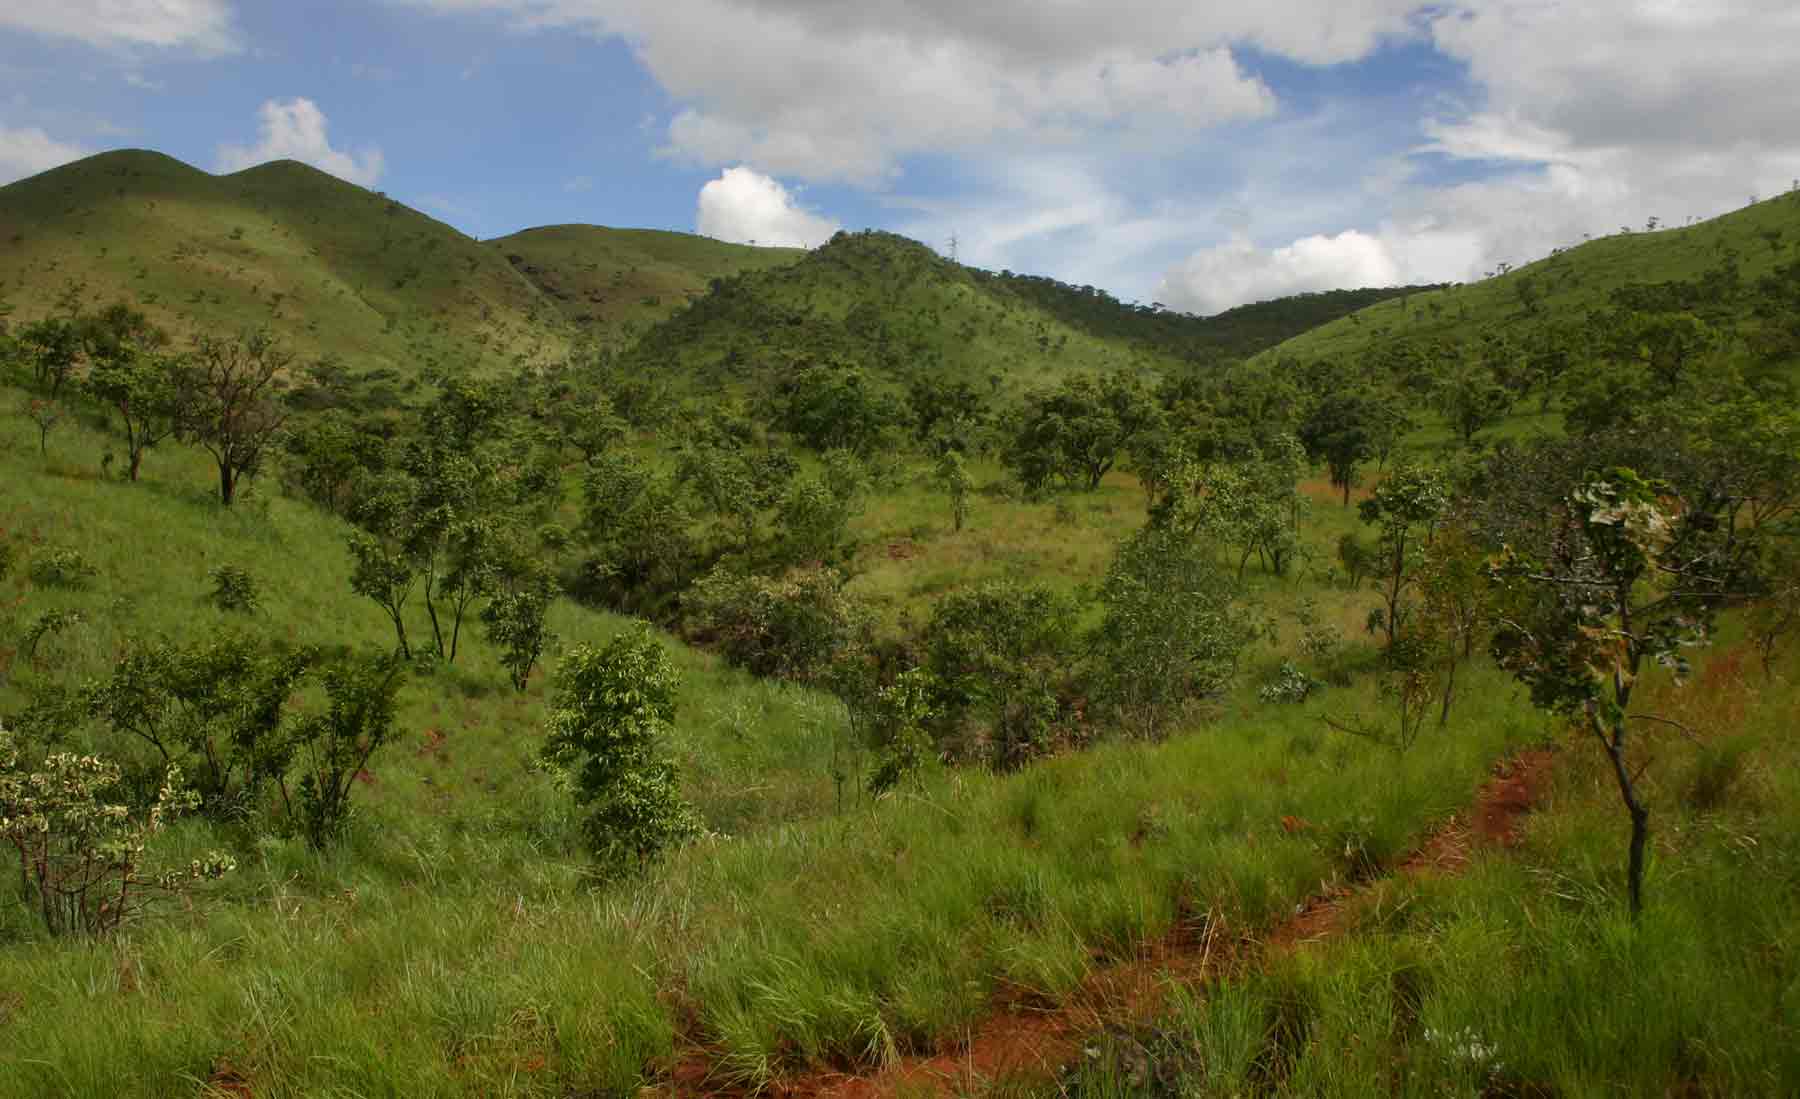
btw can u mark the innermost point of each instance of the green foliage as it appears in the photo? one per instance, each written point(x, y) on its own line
point(951, 473)
point(48, 624)
point(234, 589)
point(333, 748)
point(1174, 627)
point(612, 708)
point(830, 407)
point(1404, 510)
point(792, 627)
point(1290, 685)
point(217, 709)
point(229, 392)
point(62, 567)
point(637, 523)
point(1075, 433)
point(131, 374)
point(515, 616)
point(1000, 653)
point(46, 414)
point(83, 854)
point(1341, 431)
point(899, 728)
point(813, 517)
point(1250, 504)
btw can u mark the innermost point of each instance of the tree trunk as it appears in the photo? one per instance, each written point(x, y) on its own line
point(137, 459)
point(1449, 689)
point(227, 483)
point(1640, 821)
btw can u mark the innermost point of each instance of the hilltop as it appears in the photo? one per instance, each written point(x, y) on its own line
point(330, 268)
point(615, 283)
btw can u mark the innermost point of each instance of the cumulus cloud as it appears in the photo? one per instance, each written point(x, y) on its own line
point(202, 26)
point(848, 91)
point(746, 207)
point(26, 152)
point(1217, 278)
point(294, 129)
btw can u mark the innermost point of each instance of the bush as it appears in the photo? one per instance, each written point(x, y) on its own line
point(1001, 652)
point(62, 567)
point(335, 746)
point(789, 627)
point(1289, 685)
point(613, 706)
point(234, 589)
point(82, 853)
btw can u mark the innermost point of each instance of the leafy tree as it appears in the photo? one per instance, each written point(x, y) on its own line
point(1403, 509)
point(899, 728)
point(381, 568)
point(828, 407)
point(83, 852)
point(52, 347)
point(130, 372)
point(329, 453)
point(229, 405)
point(1077, 431)
point(1472, 399)
point(613, 705)
point(814, 515)
point(1250, 504)
point(1626, 573)
point(1456, 600)
point(793, 627)
point(334, 747)
point(515, 616)
point(217, 709)
point(1173, 629)
point(46, 415)
point(1340, 431)
point(1000, 652)
point(637, 524)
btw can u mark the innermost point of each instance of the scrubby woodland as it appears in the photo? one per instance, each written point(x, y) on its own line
point(593, 661)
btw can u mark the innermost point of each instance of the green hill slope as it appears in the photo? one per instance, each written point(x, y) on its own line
point(329, 267)
point(1729, 267)
point(617, 283)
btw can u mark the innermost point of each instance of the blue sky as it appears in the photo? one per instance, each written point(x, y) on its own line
point(1196, 154)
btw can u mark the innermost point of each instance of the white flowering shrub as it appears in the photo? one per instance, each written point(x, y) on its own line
point(82, 855)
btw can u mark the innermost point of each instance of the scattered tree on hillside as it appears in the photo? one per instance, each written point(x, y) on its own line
point(131, 373)
point(1403, 509)
point(229, 402)
point(1340, 431)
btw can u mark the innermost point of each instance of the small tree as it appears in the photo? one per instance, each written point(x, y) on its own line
point(1403, 509)
point(335, 747)
point(1173, 629)
point(899, 728)
point(228, 402)
point(515, 617)
point(952, 475)
point(130, 372)
point(613, 706)
point(46, 415)
point(1001, 650)
point(1341, 432)
point(381, 572)
point(1623, 575)
point(82, 850)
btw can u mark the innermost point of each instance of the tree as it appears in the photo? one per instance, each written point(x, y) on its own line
point(613, 706)
point(1626, 573)
point(335, 746)
point(515, 615)
point(46, 415)
point(1173, 629)
point(53, 347)
point(952, 475)
point(1472, 399)
point(131, 373)
point(1340, 431)
point(1403, 509)
point(1000, 650)
point(229, 391)
point(1076, 432)
point(792, 627)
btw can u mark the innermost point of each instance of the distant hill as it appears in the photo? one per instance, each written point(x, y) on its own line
point(328, 266)
point(896, 307)
point(614, 284)
point(1740, 268)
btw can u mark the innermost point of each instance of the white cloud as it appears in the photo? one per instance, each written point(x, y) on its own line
point(294, 129)
point(1237, 271)
point(745, 206)
point(26, 152)
point(202, 26)
point(848, 91)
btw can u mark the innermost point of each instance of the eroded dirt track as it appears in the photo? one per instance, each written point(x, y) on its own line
point(1022, 1040)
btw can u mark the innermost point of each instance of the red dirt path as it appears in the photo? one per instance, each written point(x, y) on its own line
point(1018, 1041)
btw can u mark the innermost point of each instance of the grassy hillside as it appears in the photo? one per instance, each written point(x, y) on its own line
point(1753, 241)
point(331, 268)
point(614, 284)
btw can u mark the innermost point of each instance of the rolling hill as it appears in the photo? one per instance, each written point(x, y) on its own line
point(1739, 267)
point(329, 267)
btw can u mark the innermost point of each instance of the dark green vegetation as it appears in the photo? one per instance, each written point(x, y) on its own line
point(1004, 629)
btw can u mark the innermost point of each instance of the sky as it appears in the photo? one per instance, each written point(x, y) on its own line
point(1200, 155)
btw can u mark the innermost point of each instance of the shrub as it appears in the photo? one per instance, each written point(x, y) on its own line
point(789, 627)
point(62, 567)
point(898, 725)
point(613, 705)
point(1001, 652)
point(336, 746)
point(82, 853)
point(234, 589)
point(515, 618)
point(1289, 685)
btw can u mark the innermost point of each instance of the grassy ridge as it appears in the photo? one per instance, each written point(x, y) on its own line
point(616, 283)
point(331, 268)
point(1566, 284)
